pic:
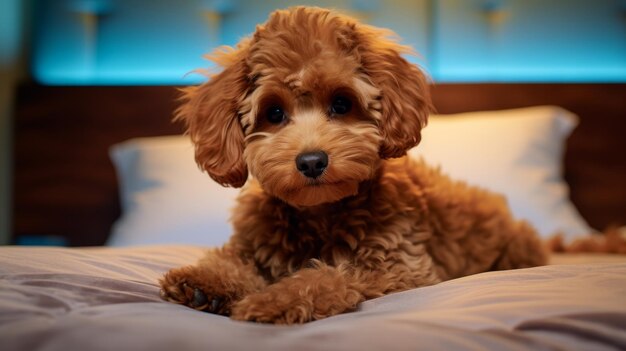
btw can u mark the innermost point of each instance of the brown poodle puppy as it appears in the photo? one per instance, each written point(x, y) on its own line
point(320, 109)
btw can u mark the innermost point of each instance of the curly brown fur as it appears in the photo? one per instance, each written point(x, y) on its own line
point(306, 247)
point(612, 240)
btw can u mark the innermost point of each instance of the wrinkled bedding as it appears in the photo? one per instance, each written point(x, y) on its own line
point(107, 298)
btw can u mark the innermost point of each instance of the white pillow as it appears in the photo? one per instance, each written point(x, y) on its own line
point(167, 199)
point(516, 152)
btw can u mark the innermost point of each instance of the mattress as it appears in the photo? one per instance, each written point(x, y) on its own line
point(107, 298)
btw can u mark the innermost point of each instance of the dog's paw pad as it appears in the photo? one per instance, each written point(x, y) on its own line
point(216, 304)
point(199, 299)
point(180, 286)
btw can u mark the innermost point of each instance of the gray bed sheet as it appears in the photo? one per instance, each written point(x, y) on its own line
point(107, 299)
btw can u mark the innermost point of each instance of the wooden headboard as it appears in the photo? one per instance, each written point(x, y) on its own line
point(65, 184)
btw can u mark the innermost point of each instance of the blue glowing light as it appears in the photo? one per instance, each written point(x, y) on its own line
point(147, 42)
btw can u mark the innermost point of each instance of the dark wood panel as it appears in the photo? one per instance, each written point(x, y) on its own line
point(65, 184)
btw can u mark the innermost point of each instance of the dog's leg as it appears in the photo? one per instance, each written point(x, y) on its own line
point(613, 241)
point(324, 291)
point(311, 293)
point(524, 249)
point(213, 284)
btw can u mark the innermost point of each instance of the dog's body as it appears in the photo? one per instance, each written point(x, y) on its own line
point(333, 214)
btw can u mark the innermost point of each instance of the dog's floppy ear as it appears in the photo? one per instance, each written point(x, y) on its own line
point(405, 96)
point(210, 112)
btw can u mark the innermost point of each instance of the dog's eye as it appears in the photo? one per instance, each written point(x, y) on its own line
point(275, 114)
point(340, 105)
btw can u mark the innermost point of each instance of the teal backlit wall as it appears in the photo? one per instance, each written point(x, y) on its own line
point(140, 42)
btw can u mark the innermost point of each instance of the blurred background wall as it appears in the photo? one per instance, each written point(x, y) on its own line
point(13, 68)
point(157, 42)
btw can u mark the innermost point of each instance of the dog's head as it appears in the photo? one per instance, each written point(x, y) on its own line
point(309, 105)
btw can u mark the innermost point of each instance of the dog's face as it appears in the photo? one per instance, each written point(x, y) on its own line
point(309, 105)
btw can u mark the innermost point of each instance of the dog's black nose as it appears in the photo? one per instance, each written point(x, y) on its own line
point(312, 164)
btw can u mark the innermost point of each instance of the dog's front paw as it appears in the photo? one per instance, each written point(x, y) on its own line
point(191, 287)
point(270, 307)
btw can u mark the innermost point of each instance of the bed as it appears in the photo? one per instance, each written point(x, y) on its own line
point(91, 162)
